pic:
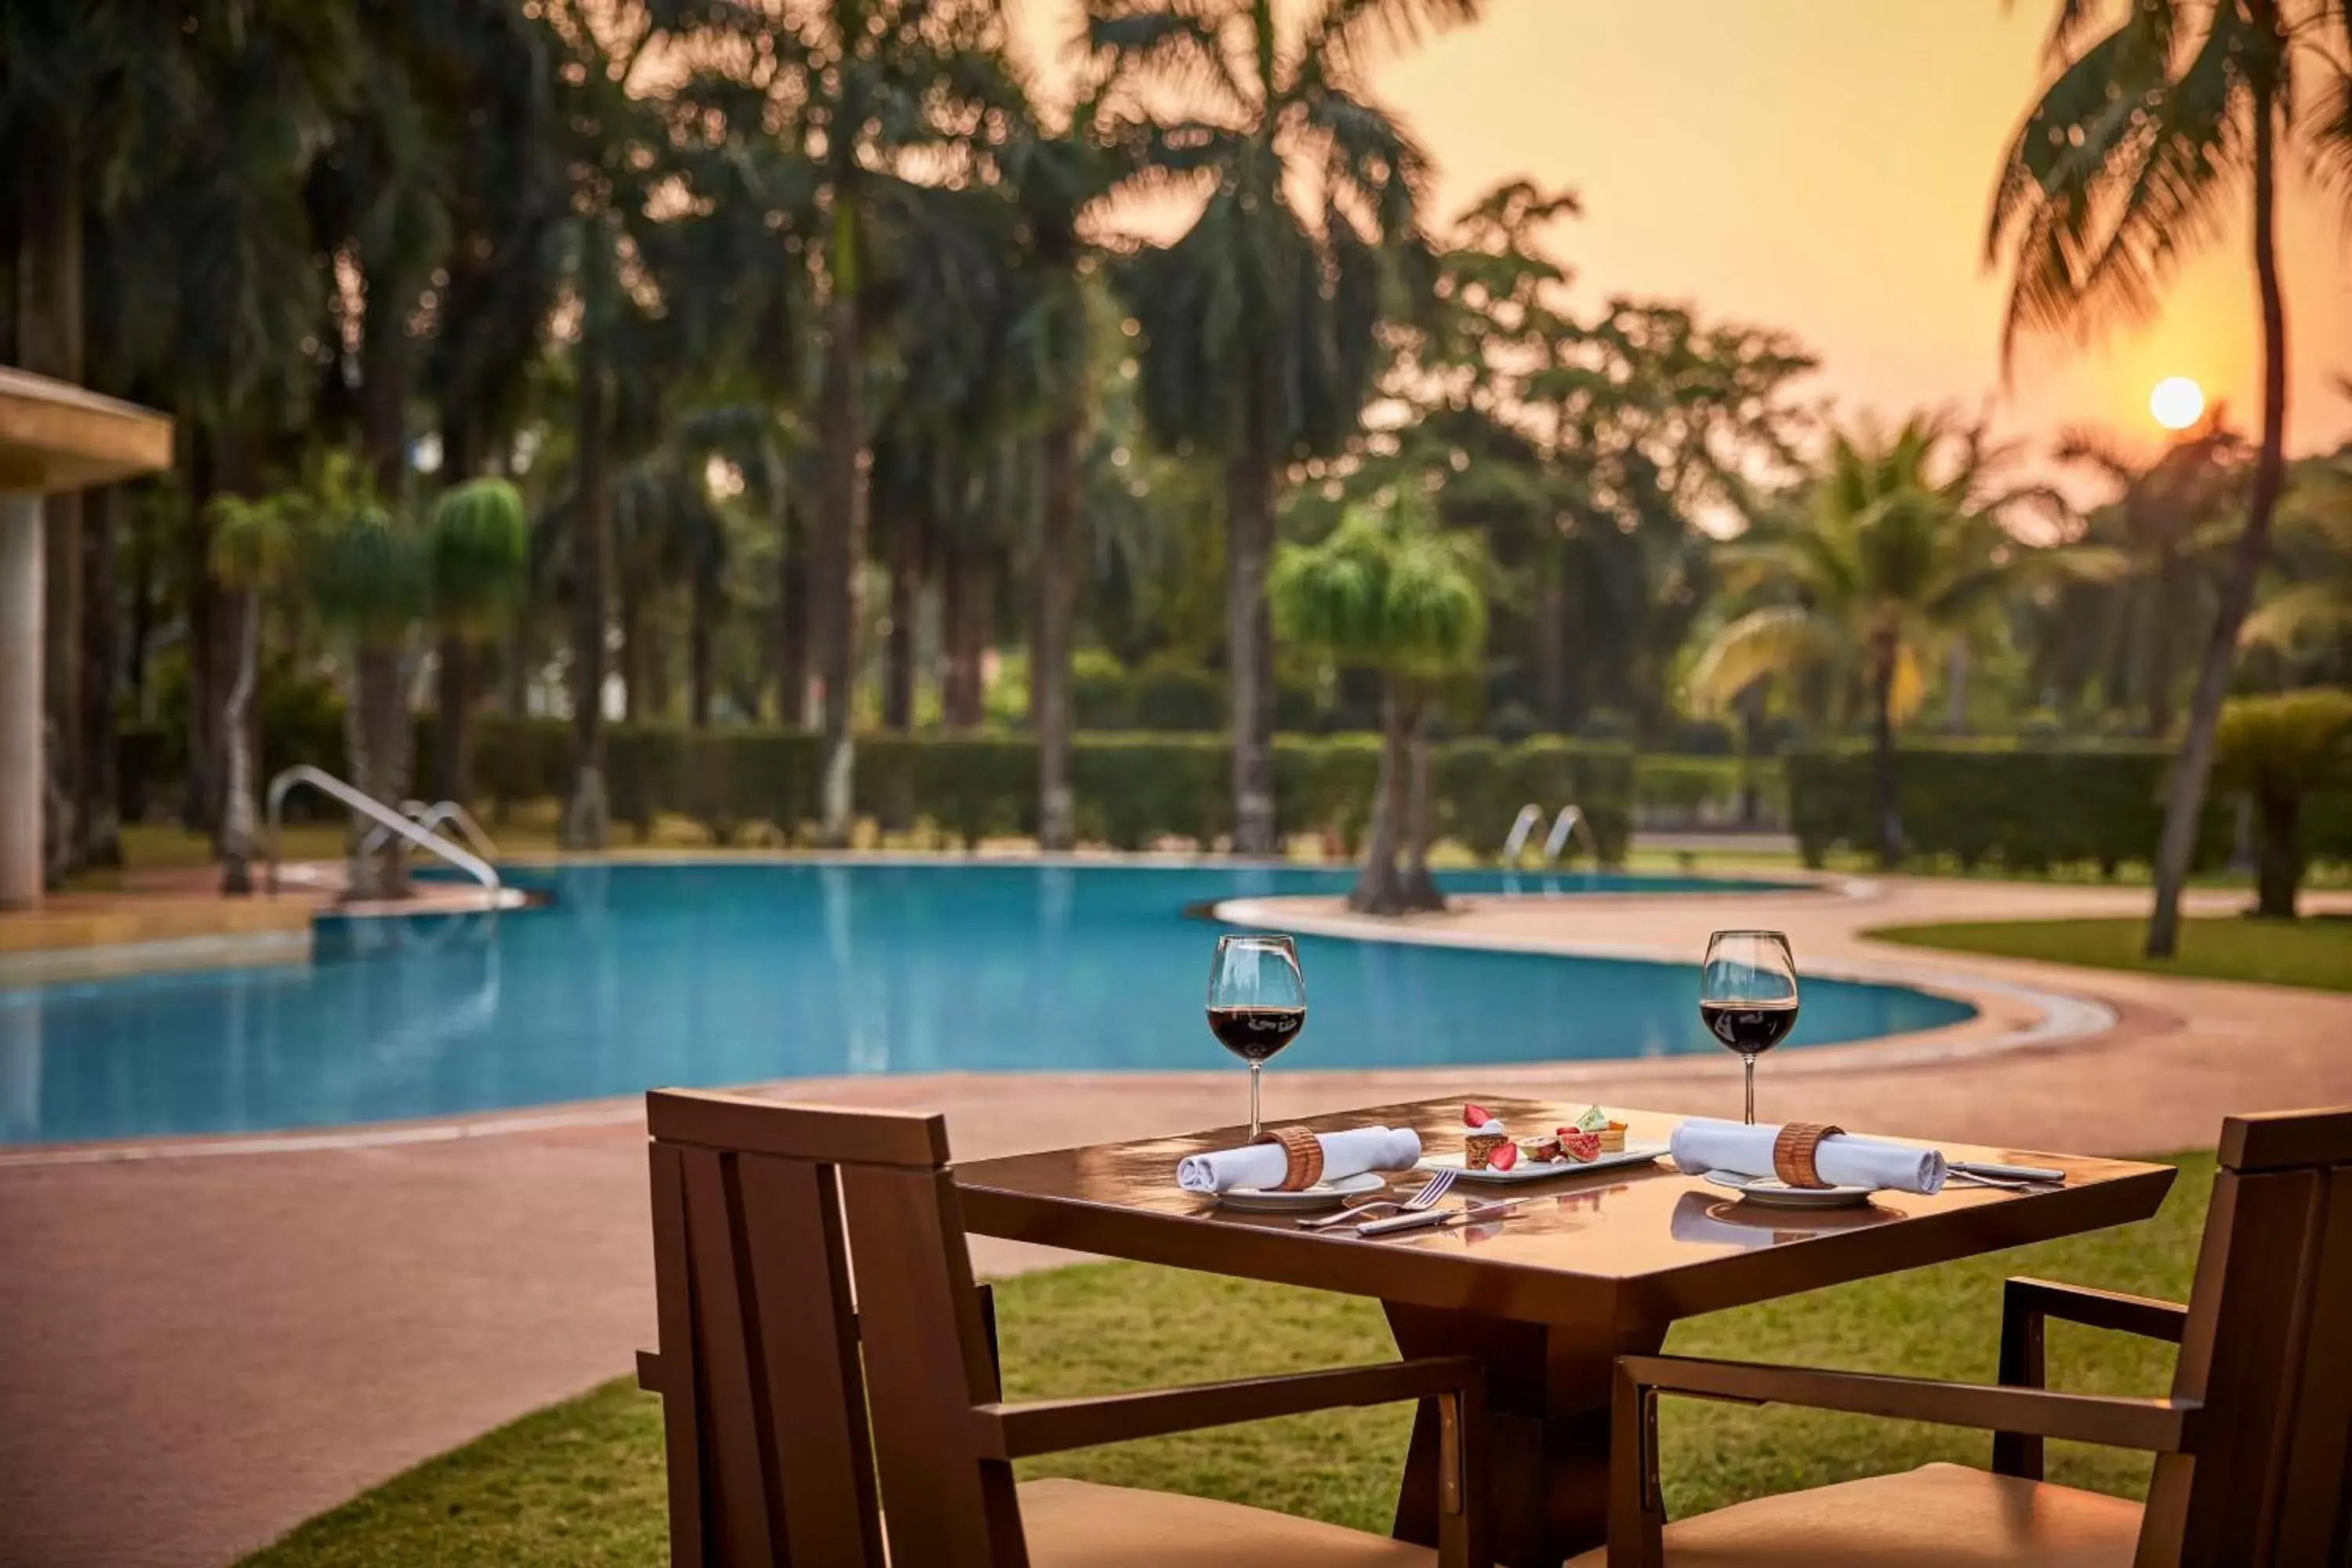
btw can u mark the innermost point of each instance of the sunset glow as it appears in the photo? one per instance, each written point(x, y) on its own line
point(2177, 402)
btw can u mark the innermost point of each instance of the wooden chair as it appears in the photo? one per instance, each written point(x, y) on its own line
point(2253, 1449)
point(788, 1446)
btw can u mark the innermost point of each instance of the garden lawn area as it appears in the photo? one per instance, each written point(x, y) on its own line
point(2316, 950)
point(581, 1483)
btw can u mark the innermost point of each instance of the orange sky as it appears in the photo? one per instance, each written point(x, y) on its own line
point(1822, 165)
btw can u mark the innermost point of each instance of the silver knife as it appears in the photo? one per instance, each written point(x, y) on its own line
point(2009, 1173)
point(1420, 1217)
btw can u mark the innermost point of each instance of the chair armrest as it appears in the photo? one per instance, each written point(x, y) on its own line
point(1051, 1426)
point(1637, 1514)
point(2023, 1298)
point(2025, 1306)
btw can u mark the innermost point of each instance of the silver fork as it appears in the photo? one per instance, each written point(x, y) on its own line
point(1439, 1183)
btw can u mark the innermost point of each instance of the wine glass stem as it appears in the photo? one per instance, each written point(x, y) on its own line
point(1747, 1059)
point(1256, 1071)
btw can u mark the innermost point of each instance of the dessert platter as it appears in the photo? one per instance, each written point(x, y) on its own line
point(1491, 1153)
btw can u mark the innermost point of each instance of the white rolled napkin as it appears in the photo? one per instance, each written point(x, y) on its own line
point(1348, 1154)
point(1702, 1144)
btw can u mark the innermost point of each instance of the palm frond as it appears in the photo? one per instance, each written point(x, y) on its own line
point(1778, 639)
point(1346, 32)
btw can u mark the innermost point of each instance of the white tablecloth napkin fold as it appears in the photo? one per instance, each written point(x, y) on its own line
point(1702, 1144)
point(1348, 1154)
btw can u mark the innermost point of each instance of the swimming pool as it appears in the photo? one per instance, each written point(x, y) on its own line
point(647, 975)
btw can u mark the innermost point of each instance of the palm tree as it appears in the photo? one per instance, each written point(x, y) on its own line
point(2168, 509)
point(2142, 136)
point(1891, 553)
point(252, 552)
point(1260, 324)
point(1387, 591)
point(2315, 547)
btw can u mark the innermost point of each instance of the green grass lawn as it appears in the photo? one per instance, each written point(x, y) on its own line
point(2316, 950)
point(581, 1483)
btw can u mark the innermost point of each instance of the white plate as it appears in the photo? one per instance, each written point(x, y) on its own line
point(1322, 1195)
point(1528, 1170)
point(1771, 1192)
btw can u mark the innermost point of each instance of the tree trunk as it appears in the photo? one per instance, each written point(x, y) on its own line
point(1376, 889)
point(49, 343)
point(376, 727)
point(2160, 643)
point(238, 833)
point(793, 634)
point(1552, 640)
point(703, 626)
point(833, 592)
point(141, 607)
point(978, 636)
point(1419, 888)
point(198, 806)
point(2185, 805)
point(2278, 865)
point(1884, 652)
point(906, 590)
point(633, 649)
point(585, 815)
point(954, 591)
point(1051, 630)
point(456, 668)
point(453, 701)
point(1249, 539)
point(101, 660)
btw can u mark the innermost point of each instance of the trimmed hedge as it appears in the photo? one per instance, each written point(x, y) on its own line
point(1674, 792)
point(1131, 788)
point(2026, 809)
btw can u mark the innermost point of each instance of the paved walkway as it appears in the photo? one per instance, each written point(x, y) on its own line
point(197, 1351)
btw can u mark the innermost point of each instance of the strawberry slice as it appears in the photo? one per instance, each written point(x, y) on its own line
point(1580, 1146)
point(1505, 1156)
point(1476, 1116)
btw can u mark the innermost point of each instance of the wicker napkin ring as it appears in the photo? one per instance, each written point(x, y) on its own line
point(1303, 1150)
point(1793, 1150)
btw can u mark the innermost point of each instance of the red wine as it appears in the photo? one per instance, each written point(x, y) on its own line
point(1254, 1034)
point(1750, 1028)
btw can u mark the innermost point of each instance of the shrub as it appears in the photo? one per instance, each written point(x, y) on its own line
point(1673, 791)
point(1100, 698)
point(2027, 809)
point(1169, 694)
point(2282, 749)
point(1132, 788)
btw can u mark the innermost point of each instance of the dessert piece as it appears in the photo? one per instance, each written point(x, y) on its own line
point(1486, 1136)
point(1613, 1133)
point(1580, 1146)
point(1543, 1151)
point(1503, 1156)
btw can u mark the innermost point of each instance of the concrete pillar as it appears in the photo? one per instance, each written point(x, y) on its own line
point(23, 776)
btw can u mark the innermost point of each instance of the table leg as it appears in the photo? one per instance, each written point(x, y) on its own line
point(1548, 1458)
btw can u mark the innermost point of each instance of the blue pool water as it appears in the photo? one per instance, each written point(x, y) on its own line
point(640, 975)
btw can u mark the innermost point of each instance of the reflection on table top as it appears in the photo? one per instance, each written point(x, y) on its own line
point(1621, 1245)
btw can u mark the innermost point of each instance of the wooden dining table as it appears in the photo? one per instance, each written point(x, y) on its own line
point(1592, 1267)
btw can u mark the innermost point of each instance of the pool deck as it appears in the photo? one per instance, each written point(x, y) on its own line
point(208, 1341)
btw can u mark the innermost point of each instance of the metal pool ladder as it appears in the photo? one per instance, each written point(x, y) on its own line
point(1563, 828)
point(387, 821)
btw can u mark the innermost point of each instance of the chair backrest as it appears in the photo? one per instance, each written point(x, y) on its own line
point(2267, 1347)
point(761, 1211)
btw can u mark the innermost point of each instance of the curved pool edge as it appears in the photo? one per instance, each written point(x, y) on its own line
point(2053, 1017)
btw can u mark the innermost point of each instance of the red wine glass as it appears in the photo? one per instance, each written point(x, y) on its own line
point(1748, 995)
point(1257, 1001)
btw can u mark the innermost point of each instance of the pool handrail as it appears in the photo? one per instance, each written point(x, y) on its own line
point(431, 818)
point(367, 806)
point(1563, 828)
point(1515, 844)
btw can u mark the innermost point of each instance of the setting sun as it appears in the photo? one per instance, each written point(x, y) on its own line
point(2177, 402)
